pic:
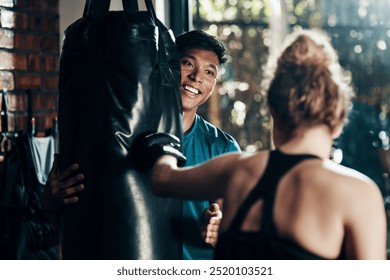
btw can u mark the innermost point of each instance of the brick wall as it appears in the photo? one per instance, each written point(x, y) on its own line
point(29, 52)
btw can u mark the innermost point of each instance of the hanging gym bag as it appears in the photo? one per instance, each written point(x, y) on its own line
point(25, 231)
point(119, 78)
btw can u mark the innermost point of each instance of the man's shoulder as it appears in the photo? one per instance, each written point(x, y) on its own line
point(209, 129)
point(215, 134)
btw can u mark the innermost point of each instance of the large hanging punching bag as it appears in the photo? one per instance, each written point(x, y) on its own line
point(119, 78)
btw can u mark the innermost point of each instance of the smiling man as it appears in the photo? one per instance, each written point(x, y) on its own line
point(201, 57)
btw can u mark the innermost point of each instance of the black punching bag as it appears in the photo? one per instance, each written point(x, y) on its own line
point(119, 78)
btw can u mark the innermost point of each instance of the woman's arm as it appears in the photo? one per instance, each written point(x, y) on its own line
point(206, 181)
point(365, 228)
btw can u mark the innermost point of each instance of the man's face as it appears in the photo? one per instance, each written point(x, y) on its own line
point(199, 73)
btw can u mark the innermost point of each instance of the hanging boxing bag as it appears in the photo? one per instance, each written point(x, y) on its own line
point(119, 78)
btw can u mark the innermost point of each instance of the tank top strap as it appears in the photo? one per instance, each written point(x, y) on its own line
point(255, 194)
point(278, 165)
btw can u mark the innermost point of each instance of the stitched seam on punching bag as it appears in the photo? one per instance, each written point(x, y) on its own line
point(166, 74)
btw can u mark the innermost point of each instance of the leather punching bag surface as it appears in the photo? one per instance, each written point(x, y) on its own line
point(119, 78)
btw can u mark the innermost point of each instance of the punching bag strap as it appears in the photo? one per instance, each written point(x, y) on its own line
point(98, 8)
point(130, 5)
point(87, 8)
point(165, 71)
point(150, 8)
point(104, 6)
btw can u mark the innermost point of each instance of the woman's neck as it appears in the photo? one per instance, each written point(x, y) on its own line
point(315, 140)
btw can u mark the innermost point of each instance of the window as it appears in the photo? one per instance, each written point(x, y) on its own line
point(360, 32)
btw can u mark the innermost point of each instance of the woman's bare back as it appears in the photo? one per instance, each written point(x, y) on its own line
point(316, 206)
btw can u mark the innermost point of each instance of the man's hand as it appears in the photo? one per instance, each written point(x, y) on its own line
point(212, 218)
point(60, 190)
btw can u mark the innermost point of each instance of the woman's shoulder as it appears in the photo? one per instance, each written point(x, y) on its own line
point(247, 170)
point(332, 171)
point(346, 174)
point(338, 180)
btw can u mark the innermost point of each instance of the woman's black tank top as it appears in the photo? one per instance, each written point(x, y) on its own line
point(265, 244)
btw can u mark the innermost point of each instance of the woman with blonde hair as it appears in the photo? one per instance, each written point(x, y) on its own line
point(291, 202)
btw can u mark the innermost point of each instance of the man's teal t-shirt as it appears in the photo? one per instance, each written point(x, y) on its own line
point(203, 142)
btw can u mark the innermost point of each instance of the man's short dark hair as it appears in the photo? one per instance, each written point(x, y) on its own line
point(198, 39)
